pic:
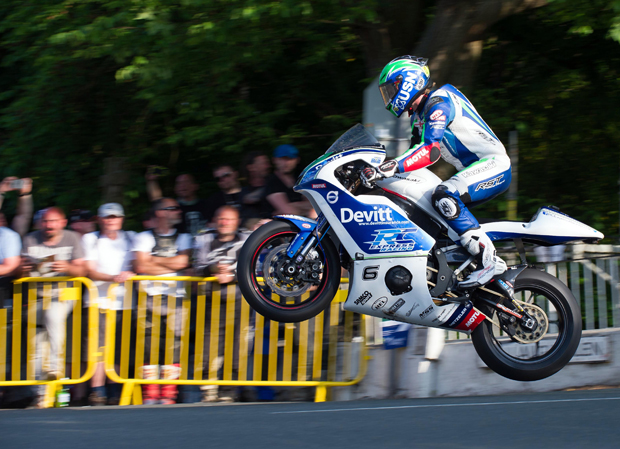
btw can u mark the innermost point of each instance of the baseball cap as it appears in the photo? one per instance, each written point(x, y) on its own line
point(105, 210)
point(80, 215)
point(286, 151)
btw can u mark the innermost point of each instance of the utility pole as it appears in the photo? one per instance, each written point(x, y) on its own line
point(513, 152)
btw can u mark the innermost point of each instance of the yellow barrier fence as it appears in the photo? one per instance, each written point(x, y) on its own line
point(214, 338)
point(34, 332)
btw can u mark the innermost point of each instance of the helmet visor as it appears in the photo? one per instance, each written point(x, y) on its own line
point(388, 91)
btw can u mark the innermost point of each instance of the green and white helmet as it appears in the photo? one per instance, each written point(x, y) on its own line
point(402, 81)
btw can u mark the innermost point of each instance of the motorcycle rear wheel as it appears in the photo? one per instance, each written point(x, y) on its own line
point(534, 361)
point(302, 303)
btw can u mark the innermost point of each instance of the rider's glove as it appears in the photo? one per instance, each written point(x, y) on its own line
point(385, 170)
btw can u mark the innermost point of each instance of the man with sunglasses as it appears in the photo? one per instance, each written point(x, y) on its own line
point(194, 210)
point(229, 193)
point(162, 251)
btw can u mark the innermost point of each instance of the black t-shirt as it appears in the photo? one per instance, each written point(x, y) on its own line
point(275, 185)
point(254, 204)
point(220, 199)
point(195, 216)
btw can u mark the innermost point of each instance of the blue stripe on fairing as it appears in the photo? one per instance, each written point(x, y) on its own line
point(552, 239)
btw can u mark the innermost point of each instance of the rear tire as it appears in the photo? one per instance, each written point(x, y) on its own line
point(285, 309)
point(549, 292)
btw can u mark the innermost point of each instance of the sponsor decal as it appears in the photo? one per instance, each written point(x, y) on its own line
point(332, 197)
point(486, 137)
point(490, 183)
point(388, 240)
point(370, 273)
point(379, 303)
point(448, 208)
point(507, 310)
point(394, 307)
point(459, 316)
point(426, 311)
point(479, 169)
point(375, 160)
point(416, 157)
point(389, 165)
point(472, 320)
point(363, 299)
point(432, 102)
point(306, 226)
point(405, 91)
point(420, 83)
point(438, 115)
point(415, 306)
point(377, 215)
point(319, 186)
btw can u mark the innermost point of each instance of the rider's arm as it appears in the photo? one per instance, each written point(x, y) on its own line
point(427, 151)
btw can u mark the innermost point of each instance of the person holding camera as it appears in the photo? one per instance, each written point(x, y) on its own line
point(21, 221)
point(193, 209)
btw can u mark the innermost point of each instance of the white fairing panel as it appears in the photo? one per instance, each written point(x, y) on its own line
point(548, 226)
point(369, 294)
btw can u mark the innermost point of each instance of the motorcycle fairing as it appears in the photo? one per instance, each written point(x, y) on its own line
point(370, 225)
point(369, 295)
point(547, 227)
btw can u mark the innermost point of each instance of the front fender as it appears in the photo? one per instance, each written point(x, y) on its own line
point(306, 227)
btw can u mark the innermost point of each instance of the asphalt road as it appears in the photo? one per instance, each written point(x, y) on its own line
point(575, 419)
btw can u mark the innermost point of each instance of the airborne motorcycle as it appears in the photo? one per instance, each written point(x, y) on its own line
point(404, 264)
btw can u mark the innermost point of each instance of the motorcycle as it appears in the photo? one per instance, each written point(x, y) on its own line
point(404, 264)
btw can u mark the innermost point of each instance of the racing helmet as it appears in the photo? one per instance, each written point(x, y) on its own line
point(402, 81)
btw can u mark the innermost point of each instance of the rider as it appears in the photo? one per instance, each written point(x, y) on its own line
point(446, 124)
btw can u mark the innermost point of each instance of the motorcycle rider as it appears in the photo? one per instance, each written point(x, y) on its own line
point(446, 124)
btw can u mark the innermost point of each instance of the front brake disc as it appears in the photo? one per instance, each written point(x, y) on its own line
point(282, 282)
point(525, 335)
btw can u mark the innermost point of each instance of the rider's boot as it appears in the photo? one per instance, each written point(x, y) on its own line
point(477, 242)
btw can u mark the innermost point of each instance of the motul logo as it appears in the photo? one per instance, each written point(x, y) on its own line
point(412, 160)
point(472, 320)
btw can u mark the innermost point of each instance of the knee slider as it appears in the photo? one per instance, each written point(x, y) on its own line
point(445, 203)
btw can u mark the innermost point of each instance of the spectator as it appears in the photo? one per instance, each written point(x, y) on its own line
point(53, 251)
point(255, 169)
point(280, 193)
point(10, 247)
point(229, 194)
point(21, 221)
point(109, 259)
point(216, 255)
point(162, 251)
point(82, 221)
point(194, 210)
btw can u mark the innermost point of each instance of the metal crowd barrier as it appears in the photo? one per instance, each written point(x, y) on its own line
point(24, 323)
point(321, 352)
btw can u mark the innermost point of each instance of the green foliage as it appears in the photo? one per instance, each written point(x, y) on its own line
point(558, 85)
point(170, 82)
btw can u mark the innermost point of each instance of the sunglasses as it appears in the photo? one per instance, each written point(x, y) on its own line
point(171, 208)
point(224, 175)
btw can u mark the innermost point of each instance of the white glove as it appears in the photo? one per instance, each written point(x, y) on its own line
point(385, 170)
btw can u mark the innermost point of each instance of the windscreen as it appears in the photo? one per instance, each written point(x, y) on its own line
point(357, 136)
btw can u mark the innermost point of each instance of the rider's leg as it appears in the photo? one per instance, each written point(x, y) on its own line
point(477, 183)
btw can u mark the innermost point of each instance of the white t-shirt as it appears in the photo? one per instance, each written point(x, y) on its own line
point(112, 257)
point(145, 242)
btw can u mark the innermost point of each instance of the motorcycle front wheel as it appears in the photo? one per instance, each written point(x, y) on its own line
point(276, 286)
point(539, 353)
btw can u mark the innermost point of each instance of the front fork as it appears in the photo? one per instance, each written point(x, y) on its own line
point(307, 239)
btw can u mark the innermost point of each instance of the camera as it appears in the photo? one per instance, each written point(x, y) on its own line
point(157, 171)
point(17, 184)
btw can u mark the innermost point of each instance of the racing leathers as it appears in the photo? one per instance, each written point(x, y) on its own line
point(446, 124)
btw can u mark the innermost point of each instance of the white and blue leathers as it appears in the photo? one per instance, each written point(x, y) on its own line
point(448, 122)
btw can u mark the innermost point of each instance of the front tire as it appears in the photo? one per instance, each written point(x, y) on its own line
point(264, 254)
point(534, 361)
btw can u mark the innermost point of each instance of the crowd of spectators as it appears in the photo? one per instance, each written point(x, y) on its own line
point(184, 235)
